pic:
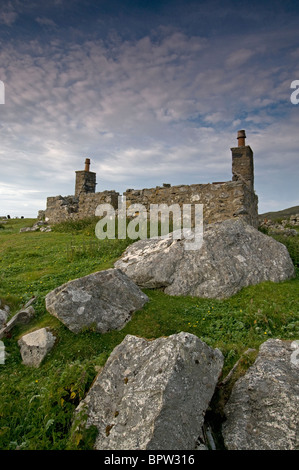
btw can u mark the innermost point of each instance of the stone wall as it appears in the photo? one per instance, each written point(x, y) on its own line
point(220, 201)
point(85, 182)
point(61, 208)
point(242, 165)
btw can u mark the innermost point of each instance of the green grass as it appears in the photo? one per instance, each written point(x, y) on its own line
point(37, 405)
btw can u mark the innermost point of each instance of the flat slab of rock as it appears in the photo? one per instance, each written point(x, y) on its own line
point(233, 255)
point(104, 300)
point(153, 394)
point(35, 346)
point(263, 410)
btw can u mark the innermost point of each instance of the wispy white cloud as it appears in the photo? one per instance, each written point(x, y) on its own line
point(239, 57)
point(48, 22)
point(10, 190)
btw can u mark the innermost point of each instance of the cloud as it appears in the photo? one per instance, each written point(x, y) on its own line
point(8, 14)
point(162, 108)
point(239, 57)
point(9, 190)
point(46, 22)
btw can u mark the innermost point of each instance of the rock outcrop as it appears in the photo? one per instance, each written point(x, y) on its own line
point(40, 225)
point(284, 226)
point(104, 300)
point(263, 409)
point(233, 255)
point(153, 394)
point(35, 346)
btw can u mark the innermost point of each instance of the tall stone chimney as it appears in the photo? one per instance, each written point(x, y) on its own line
point(85, 180)
point(242, 161)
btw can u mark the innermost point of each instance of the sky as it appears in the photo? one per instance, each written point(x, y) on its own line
point(151, 91)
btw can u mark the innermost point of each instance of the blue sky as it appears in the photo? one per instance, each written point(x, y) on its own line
point(152, 92)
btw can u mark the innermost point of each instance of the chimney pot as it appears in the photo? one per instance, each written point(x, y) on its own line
point(241, 138)
point(87, 164)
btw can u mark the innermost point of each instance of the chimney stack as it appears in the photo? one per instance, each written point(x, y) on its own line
point(85, 180)
point(242, 161)
point(87, 164)
point(241, 138)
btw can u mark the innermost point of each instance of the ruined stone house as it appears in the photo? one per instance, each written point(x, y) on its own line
point(221, 200)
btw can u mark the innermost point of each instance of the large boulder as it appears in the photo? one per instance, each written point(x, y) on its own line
point(263, 410)
point(233, 255)
point(104, 300)
point(153, 394)
point(35, 346)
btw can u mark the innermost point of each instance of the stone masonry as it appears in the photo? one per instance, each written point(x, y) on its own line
point(61, 208)
point(85, 180)
point(221, 201)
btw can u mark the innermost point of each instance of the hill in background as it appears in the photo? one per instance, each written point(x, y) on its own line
point(283, 214)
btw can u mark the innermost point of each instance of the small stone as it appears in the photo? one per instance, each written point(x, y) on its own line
point(35, 346)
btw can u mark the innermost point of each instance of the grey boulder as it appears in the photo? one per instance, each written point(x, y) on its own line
point(233, 255)
point(104, 300)
point(263, 410)
point(35, 346)
point(153, 394)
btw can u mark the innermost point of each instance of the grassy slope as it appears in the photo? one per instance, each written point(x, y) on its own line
point(283, 214)
point(37, 405)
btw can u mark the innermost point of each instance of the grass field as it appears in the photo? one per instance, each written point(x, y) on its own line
point(37, 405)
